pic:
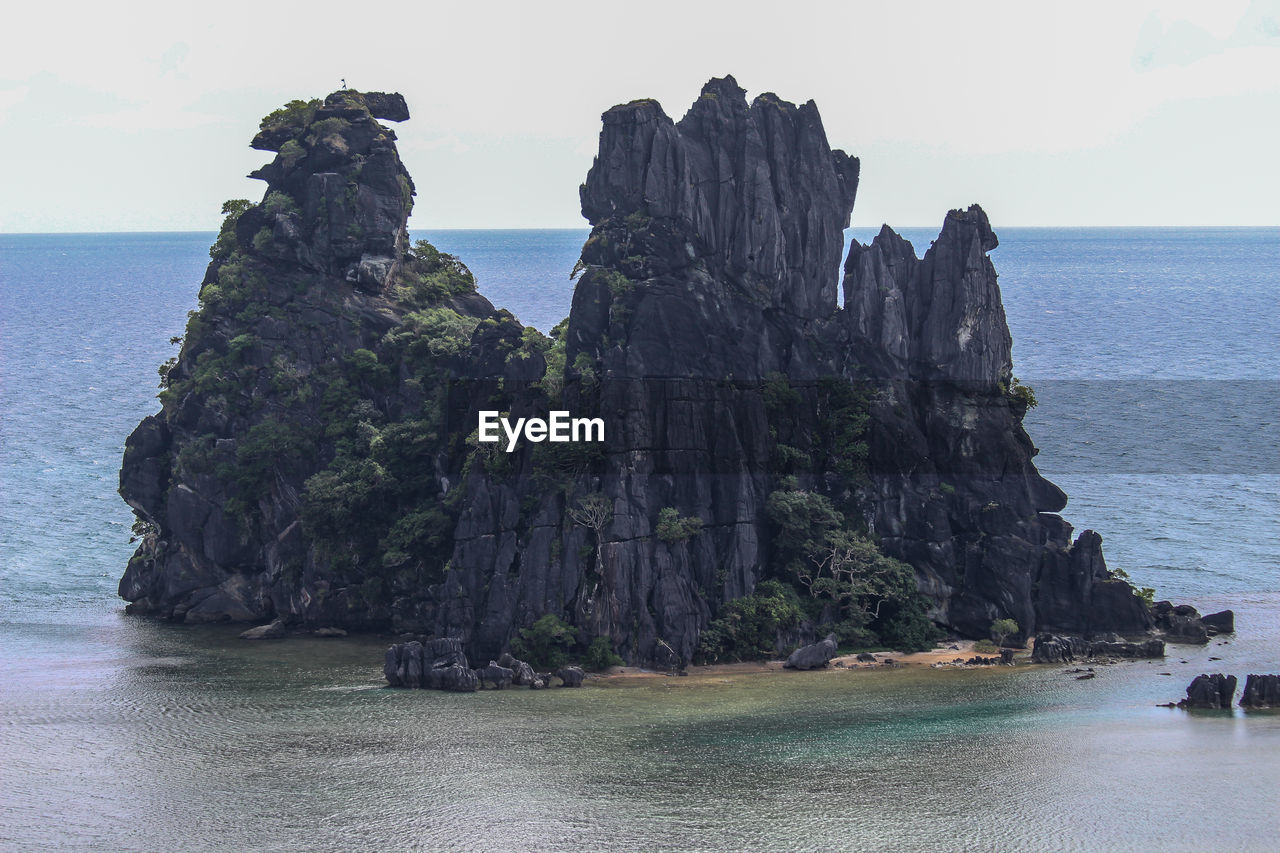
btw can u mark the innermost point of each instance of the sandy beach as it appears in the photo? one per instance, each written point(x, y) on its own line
point(942, 656)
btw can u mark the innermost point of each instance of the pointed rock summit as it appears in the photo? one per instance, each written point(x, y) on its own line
point(761, 198)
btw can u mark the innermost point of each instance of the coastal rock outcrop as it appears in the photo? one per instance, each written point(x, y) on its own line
point(1261, 691)
point(436, 665)
point(813, 656)
point(522, 674)
point(1210, 692)
point(1222, 622)
point(316, 459)
point(1050, 648)
point(570, 676)
point(1182, 623)
point(499, 676)
point(271, 631)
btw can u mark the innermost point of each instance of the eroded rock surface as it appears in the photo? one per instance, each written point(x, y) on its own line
point(1261, 691)
point(1050, 648)
point(1210, 692)
point(813, 656)
point(312, 461)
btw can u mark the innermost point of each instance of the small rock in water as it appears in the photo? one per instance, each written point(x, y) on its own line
point(1261, 691)
point(329, 632)
point(1210, 691)
point(271, 631)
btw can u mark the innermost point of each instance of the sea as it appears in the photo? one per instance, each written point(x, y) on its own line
point(1155, 356)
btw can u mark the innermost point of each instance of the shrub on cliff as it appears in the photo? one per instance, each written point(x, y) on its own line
point(747, 628)
point(600, 655)
point(672, 527)
point(545, 644)
point(429, 275)
point(296, 113)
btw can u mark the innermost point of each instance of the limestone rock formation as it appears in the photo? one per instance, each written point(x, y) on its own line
point(437, 665)
point(271, 631)
point(1210, 692)
point(570, 676)
point(813, 656)
point(1051, 648)
point(1261, 691)
point(315, 463)
point(500, 676)
point(1182, 623)
point(1222, 622)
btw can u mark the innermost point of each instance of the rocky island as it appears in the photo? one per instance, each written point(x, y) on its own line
point(779, 465)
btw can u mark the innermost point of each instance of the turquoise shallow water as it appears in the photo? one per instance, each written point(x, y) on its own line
point(1154, 355)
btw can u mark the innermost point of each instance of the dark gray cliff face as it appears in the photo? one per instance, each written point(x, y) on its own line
point(312, 461)
point(759, 196)
point(710, 268)
point(311, 355)
point(956, 493)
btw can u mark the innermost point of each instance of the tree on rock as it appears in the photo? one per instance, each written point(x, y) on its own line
point(1002, 629)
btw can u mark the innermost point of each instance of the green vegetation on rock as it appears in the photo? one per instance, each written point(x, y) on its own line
point(545, 644)
point(600, 655)
point(747, 628)
point(672, 527)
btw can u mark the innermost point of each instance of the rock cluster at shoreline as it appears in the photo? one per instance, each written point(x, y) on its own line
point(1182, 623)
point(813, 656)
point(441, 664)
point(1051, 648)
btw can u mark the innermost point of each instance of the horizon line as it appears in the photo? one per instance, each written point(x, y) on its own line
point(934, 225)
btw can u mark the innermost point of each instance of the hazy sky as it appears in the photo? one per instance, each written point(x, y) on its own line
point(137, 116)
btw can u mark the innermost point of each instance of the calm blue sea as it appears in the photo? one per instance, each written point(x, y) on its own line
point(1155, 354)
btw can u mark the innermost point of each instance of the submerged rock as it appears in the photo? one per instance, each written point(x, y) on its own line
point(813, 656)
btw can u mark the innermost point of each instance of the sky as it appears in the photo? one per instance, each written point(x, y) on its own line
point(137, 116)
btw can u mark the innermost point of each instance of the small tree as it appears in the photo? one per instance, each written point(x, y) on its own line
point(1001, 629)
point(594, 511)
point(673, 527)
point(600, 655)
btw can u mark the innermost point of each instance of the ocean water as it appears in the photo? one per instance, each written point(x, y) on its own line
point(1154, 355)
